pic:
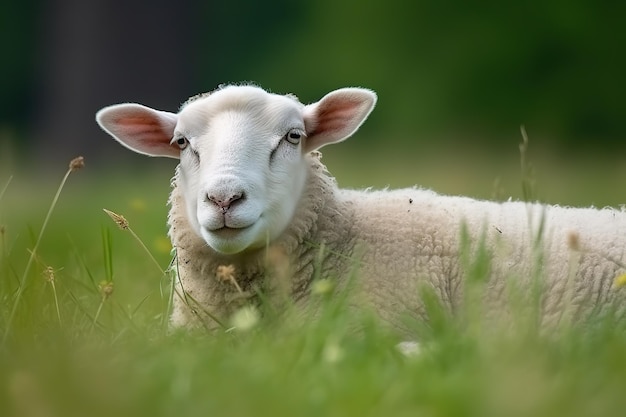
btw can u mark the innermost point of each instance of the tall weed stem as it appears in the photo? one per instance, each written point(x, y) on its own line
point(50, 277)
point(123, 224)
point(4, 189)
point(75, 164)
point(528, 180)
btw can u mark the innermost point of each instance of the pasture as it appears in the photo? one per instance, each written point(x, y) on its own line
point(83, 310)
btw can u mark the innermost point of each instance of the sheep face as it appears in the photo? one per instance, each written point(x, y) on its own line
point(241, 166)
point(242, 154)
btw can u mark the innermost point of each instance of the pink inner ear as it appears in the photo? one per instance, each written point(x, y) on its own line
point(137, 121)
point(145, 129)
point(141, 129)
point(334, 115)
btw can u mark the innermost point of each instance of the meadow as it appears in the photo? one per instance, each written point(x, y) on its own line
point(83, 311)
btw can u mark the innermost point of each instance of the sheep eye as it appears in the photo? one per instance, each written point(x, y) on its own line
point(182, 143)
point(293, 136)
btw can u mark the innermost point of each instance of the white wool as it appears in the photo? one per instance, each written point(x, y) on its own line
point(254, 210)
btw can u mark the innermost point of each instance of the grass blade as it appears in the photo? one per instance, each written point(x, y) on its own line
point(75, 164)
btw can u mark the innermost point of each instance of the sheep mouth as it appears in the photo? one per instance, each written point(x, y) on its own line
point(227, 226)
point(226, 231)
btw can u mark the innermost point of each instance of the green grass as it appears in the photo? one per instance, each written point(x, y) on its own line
point(74, 348)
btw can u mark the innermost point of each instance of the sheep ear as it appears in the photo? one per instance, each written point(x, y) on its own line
point(336, 116)
point(141, 129)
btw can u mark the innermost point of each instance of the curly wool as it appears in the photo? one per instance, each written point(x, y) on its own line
point(216, 298)
point(396, 243)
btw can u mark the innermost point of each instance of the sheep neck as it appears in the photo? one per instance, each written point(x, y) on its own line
point(287, 266)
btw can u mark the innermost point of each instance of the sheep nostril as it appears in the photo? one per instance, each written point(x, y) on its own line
point(224, 201)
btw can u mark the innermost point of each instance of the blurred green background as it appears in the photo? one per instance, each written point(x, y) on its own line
point(455, 80)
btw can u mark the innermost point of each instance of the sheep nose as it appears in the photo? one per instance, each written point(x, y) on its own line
point(223, 202)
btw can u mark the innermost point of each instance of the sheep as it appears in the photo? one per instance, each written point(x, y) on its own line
point(254, 214)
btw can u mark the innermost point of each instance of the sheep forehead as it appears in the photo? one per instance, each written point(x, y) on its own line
point(234, 90)
point(257, 109)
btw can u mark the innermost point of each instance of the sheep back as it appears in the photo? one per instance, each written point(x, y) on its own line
point(411, 238)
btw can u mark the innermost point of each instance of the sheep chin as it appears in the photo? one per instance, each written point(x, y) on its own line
point(232, 241)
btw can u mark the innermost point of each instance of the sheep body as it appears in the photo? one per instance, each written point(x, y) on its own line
point(396, 241)
point(241, 227)
point(575, 253)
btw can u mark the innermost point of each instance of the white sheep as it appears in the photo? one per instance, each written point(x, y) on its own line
point(254, 211)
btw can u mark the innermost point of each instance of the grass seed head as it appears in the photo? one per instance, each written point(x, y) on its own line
point(120, 220)
point(48, 274)
point(573, 241)
point(225, 273)
point(77, 163)
point(106, 289)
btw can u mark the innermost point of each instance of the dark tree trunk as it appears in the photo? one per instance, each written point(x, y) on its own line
point(101, 52)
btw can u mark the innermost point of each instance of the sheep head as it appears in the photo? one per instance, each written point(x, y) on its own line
point(242, 154)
